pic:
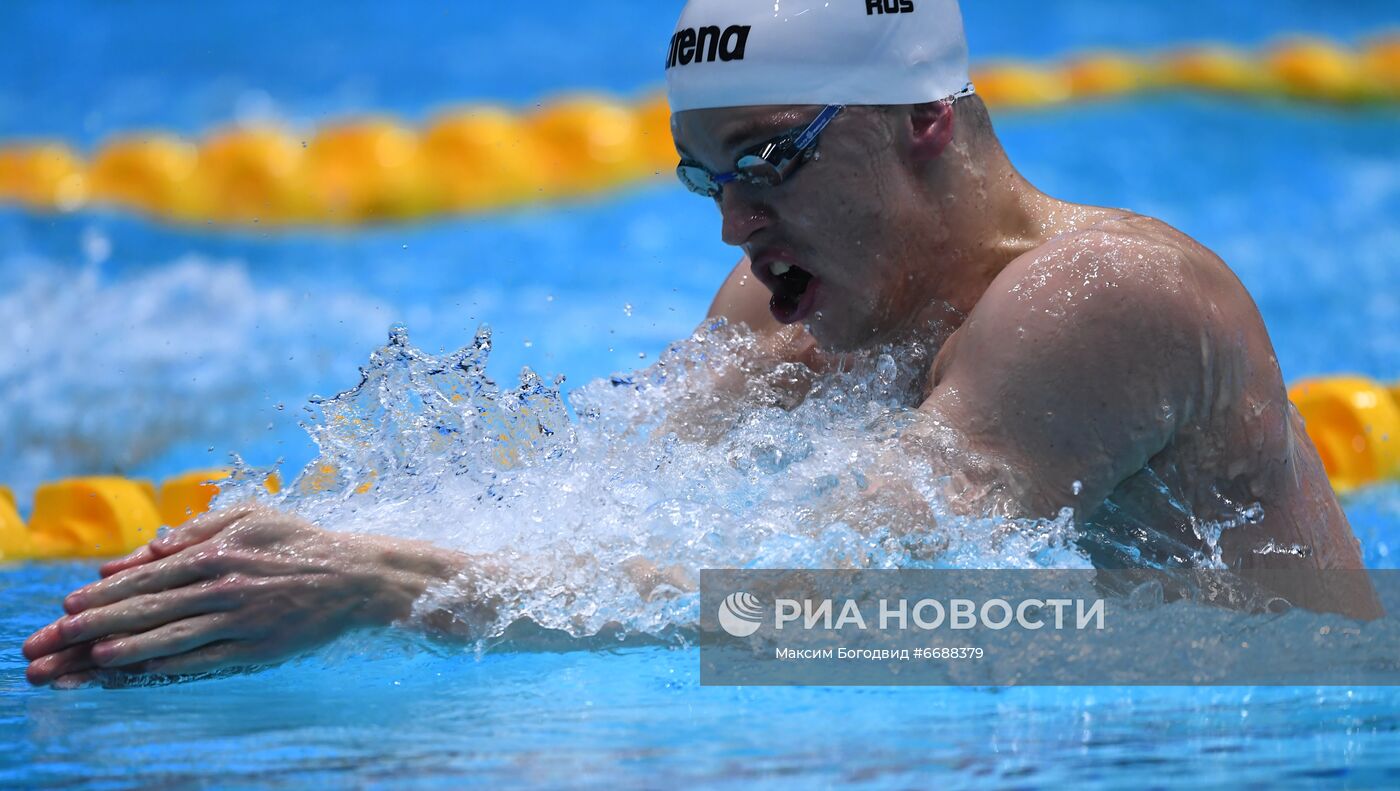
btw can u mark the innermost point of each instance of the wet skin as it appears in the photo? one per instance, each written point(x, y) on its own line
point(1088, 358)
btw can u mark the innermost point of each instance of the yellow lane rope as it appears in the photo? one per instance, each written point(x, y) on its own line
point(1353, 422)
point(376, 169)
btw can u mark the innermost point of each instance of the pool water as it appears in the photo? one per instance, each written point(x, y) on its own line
point(148, 350)
point(639, 718)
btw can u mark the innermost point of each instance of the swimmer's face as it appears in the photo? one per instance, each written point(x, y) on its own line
point(829, 241)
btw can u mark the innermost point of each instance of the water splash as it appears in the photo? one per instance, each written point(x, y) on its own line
point(708, 458)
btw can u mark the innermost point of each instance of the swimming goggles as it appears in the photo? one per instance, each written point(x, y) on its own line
point(766, 164)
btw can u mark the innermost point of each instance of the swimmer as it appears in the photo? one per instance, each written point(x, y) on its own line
point(1089, 358)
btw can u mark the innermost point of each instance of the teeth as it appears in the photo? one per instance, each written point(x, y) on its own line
point(779, 268)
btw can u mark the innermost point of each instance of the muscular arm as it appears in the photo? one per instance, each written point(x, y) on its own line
point(1075, 368)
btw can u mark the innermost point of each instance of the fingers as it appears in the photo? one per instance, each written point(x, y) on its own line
point(138, 556)
point(197, 530)
point(164, 574)
point(130, 616)
point(224, 655)
point(43, 642)
point(74, 659)
point(169, 640)
point(71, 647)
point(201, 528)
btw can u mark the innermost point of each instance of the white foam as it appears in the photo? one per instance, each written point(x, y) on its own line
point(604, 520)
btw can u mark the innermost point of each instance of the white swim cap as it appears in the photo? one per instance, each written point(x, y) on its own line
point(734, 53)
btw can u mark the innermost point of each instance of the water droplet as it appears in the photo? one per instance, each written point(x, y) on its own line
point(96, 246)
point(1076, 487)
point(627, 308)
point(548, 297)
point(529, 344)
point(885, 370)
point(641, 355)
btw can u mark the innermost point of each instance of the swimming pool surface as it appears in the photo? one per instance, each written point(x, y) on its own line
point(147, 350)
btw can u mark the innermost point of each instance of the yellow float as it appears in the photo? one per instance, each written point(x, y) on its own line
point(91, 517)
point(588, 144)
point(255, 174)
point(654, 125)
point(480, 158)
point(152, 173)
point(366, 170)
point(1355, 425)
point(1216, 69)
point(1021, 85)
point(185, 496)
point(1381, 60)
point(1106, 75)
point(46, 176)
point(1311, 68)
point(485, 158)
point(14, 536)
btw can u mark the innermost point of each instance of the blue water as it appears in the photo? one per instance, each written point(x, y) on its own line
point(146, 350)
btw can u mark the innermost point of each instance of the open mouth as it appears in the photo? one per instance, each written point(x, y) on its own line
point(793, 290)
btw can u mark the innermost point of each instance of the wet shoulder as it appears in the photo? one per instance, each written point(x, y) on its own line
point(1124, 276)
point(1167, 269)
point(1131, 251)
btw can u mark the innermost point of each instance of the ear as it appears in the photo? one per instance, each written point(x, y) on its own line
point(932, 127)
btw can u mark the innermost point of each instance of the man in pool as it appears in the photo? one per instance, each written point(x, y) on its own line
point(1089, 358)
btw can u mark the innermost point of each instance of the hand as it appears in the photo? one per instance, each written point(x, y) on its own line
point(244, 586)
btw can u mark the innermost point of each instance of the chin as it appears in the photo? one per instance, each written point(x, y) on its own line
point(831, 338)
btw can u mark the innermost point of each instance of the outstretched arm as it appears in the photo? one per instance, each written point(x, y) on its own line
point(251, 586)
point(247, 586)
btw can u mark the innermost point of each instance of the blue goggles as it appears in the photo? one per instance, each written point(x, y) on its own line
point(766, 164)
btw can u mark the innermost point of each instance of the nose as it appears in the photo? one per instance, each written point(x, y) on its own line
point(742, 214)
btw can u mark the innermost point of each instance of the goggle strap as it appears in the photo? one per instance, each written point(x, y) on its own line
point(818, 124)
